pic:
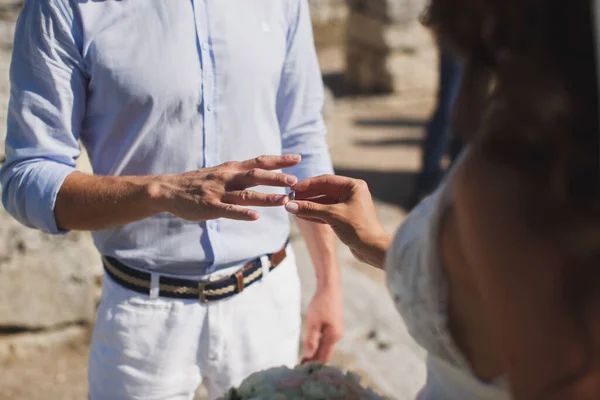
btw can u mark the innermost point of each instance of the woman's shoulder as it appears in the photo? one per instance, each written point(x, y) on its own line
point(422, 222)
point(416, 240)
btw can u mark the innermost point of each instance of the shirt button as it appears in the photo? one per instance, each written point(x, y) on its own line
point(209, 107)
point(212, 225)
point(205, 46)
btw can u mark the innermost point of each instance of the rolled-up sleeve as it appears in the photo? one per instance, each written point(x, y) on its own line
point(300, 99)
point(46, 108)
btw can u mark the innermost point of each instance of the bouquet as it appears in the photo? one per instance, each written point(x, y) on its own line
point(305, 382)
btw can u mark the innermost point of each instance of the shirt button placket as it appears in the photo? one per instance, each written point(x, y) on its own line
point(210, 146)
point(209, 120)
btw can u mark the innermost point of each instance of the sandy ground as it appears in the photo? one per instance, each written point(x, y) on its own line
point(373, 138)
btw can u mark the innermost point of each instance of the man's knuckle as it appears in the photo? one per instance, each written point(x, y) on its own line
point(226, 207)
point(216, 176)
point(229, 165)
point(209, 202)
point(260, 160)
point(282, 177)
point(253, 173)
point(245, 195)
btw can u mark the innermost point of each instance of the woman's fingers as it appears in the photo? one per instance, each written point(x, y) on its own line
point(324, 181)
point(320, 199)
point(332, 186)
point(309, 209)
point(252, 198)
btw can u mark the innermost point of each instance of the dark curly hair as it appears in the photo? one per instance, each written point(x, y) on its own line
point(529, 93)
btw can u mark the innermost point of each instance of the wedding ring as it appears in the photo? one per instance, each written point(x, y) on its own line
point(292, 195)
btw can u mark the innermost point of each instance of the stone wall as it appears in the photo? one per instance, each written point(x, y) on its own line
point(45, 281)
point(48, 284)
point(387, 49)
point(327, 11)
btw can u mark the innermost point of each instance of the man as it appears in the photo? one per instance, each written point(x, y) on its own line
point(439, 138)
point(167, 98)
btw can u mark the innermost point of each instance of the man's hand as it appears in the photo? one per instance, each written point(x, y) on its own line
point(222, 191)
point(324, 317)
point(91, 202)
point(324, 324)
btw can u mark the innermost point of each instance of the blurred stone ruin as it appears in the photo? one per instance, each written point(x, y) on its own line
point(386, 47)
point(49, 285)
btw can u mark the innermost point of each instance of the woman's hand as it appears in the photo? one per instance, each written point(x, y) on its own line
point(347, 206)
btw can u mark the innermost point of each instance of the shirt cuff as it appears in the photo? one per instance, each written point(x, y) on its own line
point(40, 197)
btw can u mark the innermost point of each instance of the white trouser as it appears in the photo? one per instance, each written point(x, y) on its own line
point(162, 349)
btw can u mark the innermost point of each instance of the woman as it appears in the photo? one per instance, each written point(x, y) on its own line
point(496, 273)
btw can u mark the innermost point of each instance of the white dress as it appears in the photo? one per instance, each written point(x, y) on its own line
point(419, 289)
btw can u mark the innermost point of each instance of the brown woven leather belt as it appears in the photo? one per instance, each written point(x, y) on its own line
point(205, 291)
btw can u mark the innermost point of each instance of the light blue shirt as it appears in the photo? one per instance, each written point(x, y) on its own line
point(152, 87)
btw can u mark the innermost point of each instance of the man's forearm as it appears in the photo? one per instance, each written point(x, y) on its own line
point(321, 242)
point(87, 202)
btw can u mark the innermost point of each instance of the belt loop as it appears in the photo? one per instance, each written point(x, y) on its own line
point(266, 266)
point(154, 286)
